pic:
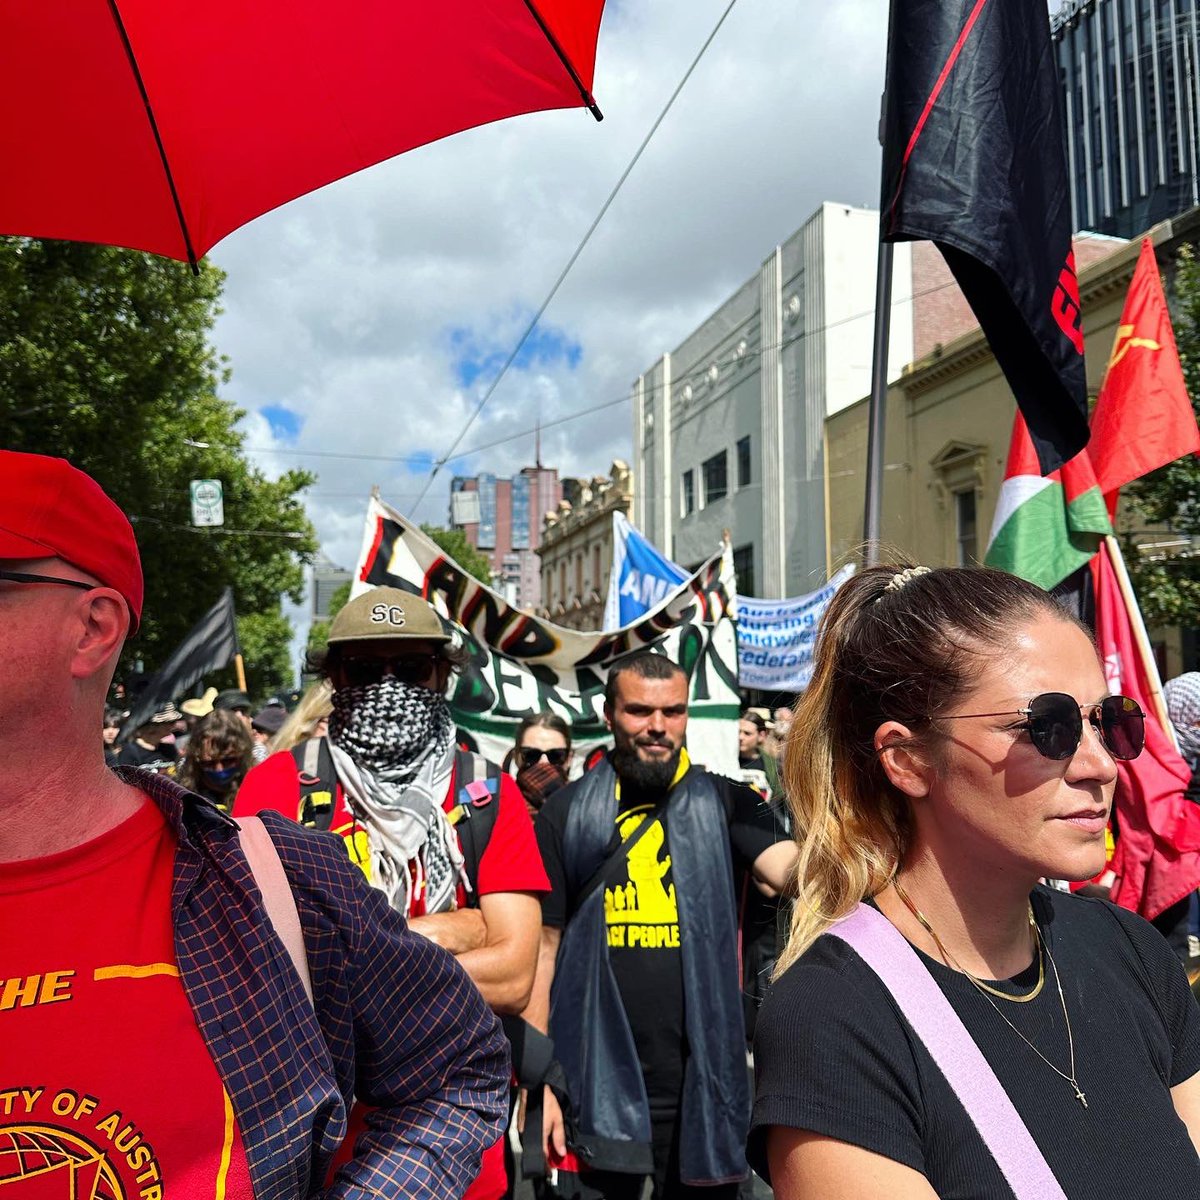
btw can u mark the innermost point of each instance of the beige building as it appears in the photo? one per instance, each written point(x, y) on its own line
point(577, 548)
point(949, 422)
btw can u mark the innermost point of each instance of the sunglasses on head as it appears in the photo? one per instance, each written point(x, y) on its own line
point(406, 668)
point(1054, 722)
point(530, 756)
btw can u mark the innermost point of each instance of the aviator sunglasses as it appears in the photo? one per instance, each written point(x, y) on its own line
point(1054, 722)
point(530, 756)
point(406, 668)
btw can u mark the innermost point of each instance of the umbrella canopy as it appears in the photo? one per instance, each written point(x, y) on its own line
point(163, 125)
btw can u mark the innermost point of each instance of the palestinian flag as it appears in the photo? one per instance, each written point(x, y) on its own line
point(1046, 526)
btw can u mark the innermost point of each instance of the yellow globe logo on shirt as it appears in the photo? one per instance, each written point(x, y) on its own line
point(40, 1162)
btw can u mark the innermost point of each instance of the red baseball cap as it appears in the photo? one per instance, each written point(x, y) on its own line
point(50, 509)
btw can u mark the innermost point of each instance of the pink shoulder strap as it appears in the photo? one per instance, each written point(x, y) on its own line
point(277, 895)
point(884, 949)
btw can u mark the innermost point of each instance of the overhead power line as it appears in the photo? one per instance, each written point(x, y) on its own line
point(537, 316)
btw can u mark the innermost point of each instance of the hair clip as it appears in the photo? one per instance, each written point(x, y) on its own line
point(900, 578)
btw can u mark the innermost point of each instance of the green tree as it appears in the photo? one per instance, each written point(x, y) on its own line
point(454, 543)
point(106, 360)
point(1168, 589)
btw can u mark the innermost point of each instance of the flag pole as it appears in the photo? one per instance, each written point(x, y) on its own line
point(1140, 636)
point(877, 410)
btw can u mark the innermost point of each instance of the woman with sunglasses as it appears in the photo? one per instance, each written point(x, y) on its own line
point(541, 756)
point(219, 755)
point(956, 746)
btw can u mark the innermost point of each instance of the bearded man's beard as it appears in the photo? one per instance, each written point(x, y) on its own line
point(654, 775)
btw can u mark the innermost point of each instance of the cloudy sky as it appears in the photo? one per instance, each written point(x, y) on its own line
point(368, 318)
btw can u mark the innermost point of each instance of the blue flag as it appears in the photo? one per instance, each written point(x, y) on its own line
point(641, 578)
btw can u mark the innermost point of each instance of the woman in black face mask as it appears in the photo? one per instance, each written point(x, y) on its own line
point(219, 754)
point(541, 757)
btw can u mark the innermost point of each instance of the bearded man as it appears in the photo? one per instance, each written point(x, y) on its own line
point(443, 833)
point(638, 975)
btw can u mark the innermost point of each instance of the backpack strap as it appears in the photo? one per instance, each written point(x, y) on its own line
point(277, 895)
point(477, 794)
point(925, 1007)
point(318, 783)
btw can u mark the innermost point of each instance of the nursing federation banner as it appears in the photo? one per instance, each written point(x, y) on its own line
point(641, 577)
point(521, 664)
point(776, 637)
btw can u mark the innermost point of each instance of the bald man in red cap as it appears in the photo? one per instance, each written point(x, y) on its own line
point(189, 1004)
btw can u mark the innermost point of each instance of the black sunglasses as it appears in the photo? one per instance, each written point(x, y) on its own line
point(407, 668)
point(1055, 724)
point(530, 756)
point(24, 577)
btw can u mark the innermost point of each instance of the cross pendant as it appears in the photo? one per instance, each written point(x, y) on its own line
point(1080, 1096)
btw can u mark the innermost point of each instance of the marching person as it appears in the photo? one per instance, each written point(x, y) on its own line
point(157, 1037)
point(541, 756)
point(218, 757)
point(638, 975)
point(956, 745)
point(442, 833)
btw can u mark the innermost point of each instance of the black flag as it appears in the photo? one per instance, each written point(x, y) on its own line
point(974, 160)
point(210, 645)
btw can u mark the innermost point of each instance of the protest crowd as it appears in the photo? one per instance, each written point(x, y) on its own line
point(493, 908)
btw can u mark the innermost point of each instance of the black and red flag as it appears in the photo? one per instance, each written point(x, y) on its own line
point(974, 160)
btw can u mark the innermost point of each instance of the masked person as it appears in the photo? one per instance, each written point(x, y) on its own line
point(443, 833)
point(218, 757)
point(541, 757)
point(161, 1031)
point(638, 978)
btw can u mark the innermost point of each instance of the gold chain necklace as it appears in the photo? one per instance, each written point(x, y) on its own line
point(951, 961)
point(983, 990)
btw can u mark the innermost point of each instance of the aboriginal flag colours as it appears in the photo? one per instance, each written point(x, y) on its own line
point(974, 160)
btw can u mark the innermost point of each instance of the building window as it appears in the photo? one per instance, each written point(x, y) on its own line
point(579, 576)
point(743, 462)
point(743, 565)
point(596, 569)
point(562, 582)
point(715, 472)
point(688, 497)
point(965, 526)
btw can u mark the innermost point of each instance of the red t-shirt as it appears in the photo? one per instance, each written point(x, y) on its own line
point(510, 861)
point(107, 1090)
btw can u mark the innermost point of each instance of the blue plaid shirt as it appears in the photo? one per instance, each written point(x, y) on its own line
point(397, 1023)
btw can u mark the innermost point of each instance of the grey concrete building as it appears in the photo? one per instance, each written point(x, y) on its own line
point(728, 428)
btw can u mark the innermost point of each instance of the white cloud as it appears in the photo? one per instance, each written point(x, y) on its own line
point(339, 306)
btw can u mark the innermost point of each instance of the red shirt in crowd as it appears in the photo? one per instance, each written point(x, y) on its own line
point(106, 1086)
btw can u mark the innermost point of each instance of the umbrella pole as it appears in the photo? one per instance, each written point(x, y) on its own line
point(592, 106)
point(162, 152)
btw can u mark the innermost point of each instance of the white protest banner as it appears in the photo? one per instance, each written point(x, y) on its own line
point(776, 637)
point(521, 664)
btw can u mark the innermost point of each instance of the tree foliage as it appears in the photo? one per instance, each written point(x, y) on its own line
point(454, 543)
point(106, 360)
point(1168, 589)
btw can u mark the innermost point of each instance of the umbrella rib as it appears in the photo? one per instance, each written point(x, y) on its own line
point(162, 151)
point(592, 106)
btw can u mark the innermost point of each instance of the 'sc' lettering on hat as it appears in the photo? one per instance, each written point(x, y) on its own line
point(388, 614)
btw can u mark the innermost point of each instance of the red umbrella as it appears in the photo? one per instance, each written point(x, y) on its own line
point(164, 125)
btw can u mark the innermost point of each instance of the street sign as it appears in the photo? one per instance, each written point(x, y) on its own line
point(208, 502)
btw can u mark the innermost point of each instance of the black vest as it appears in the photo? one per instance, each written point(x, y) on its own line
point(591, 1033)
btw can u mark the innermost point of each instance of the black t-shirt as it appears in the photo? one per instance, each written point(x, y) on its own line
point(642, 917)
point(834, 1056)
